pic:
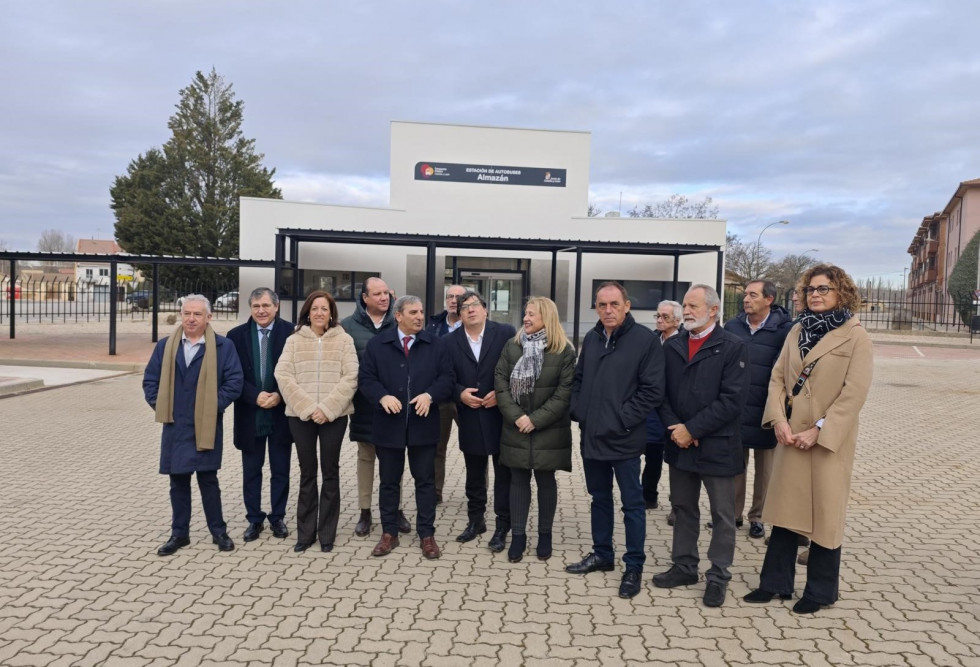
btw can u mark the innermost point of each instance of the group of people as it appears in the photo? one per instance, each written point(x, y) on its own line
point(701, 397)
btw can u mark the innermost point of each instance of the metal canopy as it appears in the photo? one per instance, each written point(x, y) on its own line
point(296, 237)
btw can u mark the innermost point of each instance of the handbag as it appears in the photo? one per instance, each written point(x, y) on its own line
point(800, 381)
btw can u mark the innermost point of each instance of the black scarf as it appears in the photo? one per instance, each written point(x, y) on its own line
point(815, 325)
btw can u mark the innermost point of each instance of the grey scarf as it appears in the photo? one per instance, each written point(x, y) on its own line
point(528, 368)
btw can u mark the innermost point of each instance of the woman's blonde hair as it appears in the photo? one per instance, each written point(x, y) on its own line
point(557, 340)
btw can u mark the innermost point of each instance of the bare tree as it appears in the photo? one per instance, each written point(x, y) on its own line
point(788, 271)
point(55, 240)
point(4, 265)
point(744, 260)
point(677, 207)
point(594, 211)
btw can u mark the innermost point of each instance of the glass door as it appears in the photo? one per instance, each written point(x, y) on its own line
point(503, 291)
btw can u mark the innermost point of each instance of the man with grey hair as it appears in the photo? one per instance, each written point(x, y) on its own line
point(706, 376)
point(192, 376)
point(405, 373)
point(260, 413)
point(763, 326)
point(669, 316)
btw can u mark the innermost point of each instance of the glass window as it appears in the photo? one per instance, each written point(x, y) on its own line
point(341, 285)
point(646, 294)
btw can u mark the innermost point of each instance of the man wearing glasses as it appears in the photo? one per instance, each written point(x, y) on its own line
point(669, 317)
point(441, 325)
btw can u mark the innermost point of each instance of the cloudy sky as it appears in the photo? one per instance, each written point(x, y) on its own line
point(853, 120)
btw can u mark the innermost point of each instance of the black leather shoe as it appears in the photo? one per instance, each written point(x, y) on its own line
point(673, 578)
point(224, 542)
point(518, 545)
point(543, 548)
point(498, 542)
point(253, 531)
point(404, 527)
point(650, 504)
point(279, 529)
point(326, 548)
point(302, 546)
point(714, 594)
point(363, 527)
point(170, 547)
point(670, 518)
point(760, 596)
point(590, 564)
point(806, 605)
point(630, 585)
point(472, 530)
point(756, 529)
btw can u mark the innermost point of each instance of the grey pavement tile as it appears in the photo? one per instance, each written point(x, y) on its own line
point(85, 510)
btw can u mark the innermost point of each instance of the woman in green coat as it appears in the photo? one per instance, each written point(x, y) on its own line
point(533, 382)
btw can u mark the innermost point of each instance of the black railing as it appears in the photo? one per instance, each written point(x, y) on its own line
point(892, 309)
point(66, 299)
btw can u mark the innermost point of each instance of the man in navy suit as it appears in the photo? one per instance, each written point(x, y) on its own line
point(260, 417)
point(405, 373)
point(475, 349)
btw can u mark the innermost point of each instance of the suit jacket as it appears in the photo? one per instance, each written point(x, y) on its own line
point(479, 428)
point(385, 370)
point(245, 407)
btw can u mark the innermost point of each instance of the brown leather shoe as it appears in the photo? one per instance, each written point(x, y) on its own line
point(429, 548)
point(385, 545)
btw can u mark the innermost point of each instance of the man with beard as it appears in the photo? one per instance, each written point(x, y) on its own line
point(706, 371)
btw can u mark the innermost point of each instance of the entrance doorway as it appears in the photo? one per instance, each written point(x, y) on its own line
point(503, 290)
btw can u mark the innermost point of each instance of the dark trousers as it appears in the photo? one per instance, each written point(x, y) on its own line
point(653, 468)
point(520, 499)
point(180, 502)
point(253, 461)
point(685, 493)
point(779, 568)
point(391, 466)
point(448, 414)
point(599, 481)
point(318, 517)
point(476, 489)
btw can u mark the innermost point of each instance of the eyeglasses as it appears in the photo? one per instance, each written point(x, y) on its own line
point(664, 317)
point(822, 290)
point(469, 306)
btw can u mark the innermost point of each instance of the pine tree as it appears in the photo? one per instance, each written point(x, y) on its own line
point(183, 199)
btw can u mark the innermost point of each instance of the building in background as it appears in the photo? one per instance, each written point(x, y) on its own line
point(492, 183)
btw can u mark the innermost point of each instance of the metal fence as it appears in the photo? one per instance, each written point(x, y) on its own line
point(891, 309)
point(66, 299)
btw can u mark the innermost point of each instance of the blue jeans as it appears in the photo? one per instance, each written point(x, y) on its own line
point(598, 480)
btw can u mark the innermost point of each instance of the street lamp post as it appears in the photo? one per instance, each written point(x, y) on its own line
point(758, 248)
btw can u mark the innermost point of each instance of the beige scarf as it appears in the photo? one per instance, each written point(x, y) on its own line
point(206, 400)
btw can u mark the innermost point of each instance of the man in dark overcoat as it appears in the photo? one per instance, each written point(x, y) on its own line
point(260, 424)
point(192, 376)
point(475, 349)
point(405, 373)
point(763, 326)
point(619, 379)
point(706, 371)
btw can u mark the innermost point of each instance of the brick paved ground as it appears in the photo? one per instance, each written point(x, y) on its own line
point(84, 511)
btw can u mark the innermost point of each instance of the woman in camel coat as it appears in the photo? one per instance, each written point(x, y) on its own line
point(811, 477)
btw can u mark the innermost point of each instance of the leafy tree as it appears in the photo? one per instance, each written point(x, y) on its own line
point(55, 240)
point(963, 280)
point(183, 199)
point(677, 207)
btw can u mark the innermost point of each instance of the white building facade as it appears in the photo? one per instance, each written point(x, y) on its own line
point(487, 183)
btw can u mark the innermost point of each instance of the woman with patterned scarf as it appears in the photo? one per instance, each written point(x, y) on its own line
point(533, 383)
point(816, 391)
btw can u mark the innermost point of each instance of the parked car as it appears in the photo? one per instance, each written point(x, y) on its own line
point(228, 300)
point(142, 299)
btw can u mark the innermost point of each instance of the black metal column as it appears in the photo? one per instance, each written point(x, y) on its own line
point(294, 259)
point(577, 297)
point(155, 315)
point(113, 305)
point(720, 279)
point(677, 273)
point(554, 273)
point(430, 278)
point(12, 298)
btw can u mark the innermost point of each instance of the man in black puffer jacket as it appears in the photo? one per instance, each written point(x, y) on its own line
point(619, 379)
point(763, 326)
